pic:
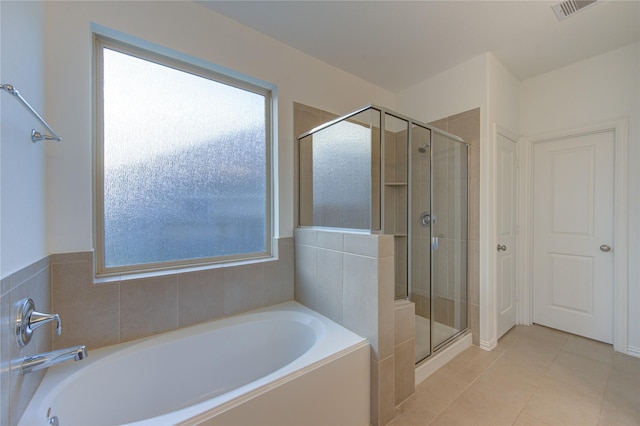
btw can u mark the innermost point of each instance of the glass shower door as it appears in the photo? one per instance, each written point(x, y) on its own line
point(449, 165)
point(420, 267)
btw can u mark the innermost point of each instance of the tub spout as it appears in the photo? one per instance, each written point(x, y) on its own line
point(48, 359)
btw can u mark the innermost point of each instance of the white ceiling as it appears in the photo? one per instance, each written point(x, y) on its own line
point(396, 44)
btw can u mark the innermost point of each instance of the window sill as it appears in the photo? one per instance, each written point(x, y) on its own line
point(177, 271)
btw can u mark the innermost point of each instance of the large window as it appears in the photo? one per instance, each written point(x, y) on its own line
point(183, 168)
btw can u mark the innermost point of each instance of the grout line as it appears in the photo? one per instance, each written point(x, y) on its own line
point(538, 386)
point(527, 403)
point(466, 387)
point(604, 394)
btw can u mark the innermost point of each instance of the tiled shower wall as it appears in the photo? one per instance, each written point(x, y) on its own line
point(467, 126)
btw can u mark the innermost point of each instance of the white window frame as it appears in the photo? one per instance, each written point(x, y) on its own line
point(179, 61)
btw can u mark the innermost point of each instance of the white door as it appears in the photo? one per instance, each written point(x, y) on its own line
point(506, 234)
point(573, 234)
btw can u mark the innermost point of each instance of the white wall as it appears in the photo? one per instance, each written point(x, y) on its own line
point(600, 89)
point(194, 30)
point(23, 168)
point(503, 96)
point(461, 88)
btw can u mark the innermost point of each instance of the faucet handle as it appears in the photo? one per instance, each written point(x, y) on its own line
point(28, 320)
point(36, 319)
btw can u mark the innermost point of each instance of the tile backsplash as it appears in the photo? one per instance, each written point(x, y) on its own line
point(102, 314)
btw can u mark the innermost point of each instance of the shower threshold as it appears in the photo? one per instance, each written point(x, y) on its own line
point(427, 366)
point(441, 333)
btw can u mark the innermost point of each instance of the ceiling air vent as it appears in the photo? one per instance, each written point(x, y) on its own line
point(567, 8)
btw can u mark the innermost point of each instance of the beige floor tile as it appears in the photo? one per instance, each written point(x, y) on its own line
point(431, 398)
point(405, 420)
point(547, 336)
point(624, 386)
point(588, 348)
point(626, 366)
point(477, 407)
point(508, 382)
point(526, 419)
point(536, 376)
point(560, 403)
point(580, 371)
point(511, 336)
point(518, 330)
point(536, 355)
point(519, 366)
point(470, 364)
point(619, 410)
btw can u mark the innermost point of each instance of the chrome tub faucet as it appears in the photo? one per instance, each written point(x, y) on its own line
point(28, 320)
point(48, 359)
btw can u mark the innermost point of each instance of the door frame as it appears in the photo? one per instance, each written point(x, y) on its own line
point(620, 200)
point(501, 131)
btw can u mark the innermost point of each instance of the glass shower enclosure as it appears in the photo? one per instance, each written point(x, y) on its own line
point(378, 171)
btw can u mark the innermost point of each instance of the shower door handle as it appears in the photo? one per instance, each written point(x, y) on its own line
point(427, 219)
point(434, 243)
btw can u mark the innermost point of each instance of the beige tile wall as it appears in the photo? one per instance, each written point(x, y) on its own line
point(404, 350)
point(420, 235)
point(467, 126)
point(17, 390)
point(349, 278)
point(103, 314)
point(305, 118)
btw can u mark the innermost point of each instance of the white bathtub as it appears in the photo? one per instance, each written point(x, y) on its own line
point(282, 365)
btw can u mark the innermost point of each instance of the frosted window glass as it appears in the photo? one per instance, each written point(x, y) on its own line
point(342, 176)
point(185, 165)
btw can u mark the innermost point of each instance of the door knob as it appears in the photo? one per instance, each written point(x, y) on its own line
point(605, 248)
point(502, 247)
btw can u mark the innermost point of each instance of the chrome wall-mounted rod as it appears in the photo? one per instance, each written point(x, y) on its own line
point(35, 135)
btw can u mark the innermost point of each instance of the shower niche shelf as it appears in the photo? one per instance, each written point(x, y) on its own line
point(395, 211)
point(396, 189)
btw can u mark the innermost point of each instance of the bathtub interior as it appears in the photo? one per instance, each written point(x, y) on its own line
point(194, 360)
point(175, 375)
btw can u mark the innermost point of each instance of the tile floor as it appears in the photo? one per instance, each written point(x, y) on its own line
point(536, 376)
